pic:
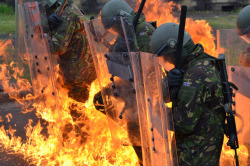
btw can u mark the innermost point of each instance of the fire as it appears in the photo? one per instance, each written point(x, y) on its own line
point(228, 155)
point(68, 141)
point(200, 30)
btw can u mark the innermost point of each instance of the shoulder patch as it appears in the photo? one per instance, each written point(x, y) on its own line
point(142, 34)
point(186, 84)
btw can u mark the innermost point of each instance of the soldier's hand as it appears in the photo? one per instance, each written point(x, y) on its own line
point(98, 102)
point(175, 77)
point(54, 21)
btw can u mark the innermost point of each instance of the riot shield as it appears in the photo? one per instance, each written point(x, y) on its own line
point(20, 52)
point(111, 42)
point(42, 64)
point(19, 40)
point(236, 50)
point(155, 115)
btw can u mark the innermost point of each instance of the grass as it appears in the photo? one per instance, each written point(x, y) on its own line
point(7, 24)
point(7, 19)
point(217, 20)
point(222, 22)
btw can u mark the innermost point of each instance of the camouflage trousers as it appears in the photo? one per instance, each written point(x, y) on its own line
point(206, 155)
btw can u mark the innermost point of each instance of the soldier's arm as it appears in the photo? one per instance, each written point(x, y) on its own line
point(144, 32)
point(192, 96)
point(62, 35)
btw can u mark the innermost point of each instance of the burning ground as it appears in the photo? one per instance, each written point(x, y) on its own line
point(43, 137)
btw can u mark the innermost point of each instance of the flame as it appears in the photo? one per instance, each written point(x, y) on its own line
point(82, 141)
point(228, 155)
point(200, 30)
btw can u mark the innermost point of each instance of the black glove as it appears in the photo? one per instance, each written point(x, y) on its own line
point(175, 77)
point(54, 21)
point(98, 102)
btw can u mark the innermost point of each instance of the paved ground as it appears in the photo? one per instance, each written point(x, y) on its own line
point(18, 121)
point(7, 158)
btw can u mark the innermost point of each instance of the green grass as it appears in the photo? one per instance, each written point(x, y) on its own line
point(7, 24)
point(7, 19)
point(220, 22)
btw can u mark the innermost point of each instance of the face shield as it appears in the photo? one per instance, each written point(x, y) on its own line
point(246, 37)
point(166, 54)
point(167, 62)
point(245, 34)
point(113, 25)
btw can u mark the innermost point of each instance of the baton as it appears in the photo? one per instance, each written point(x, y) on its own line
point(180, 36)
point(138, 14)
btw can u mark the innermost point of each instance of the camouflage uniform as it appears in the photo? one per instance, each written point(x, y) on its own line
point(198, 113)
point(76, 63)
point(144, 31)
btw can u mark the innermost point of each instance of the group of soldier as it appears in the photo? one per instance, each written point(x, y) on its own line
point(195, 88)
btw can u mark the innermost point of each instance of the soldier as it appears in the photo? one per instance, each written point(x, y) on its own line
point(111, 12)
point(143, 30)
point(196, 93)
point(117, 8)
point(75, 61)
point(70, 43)
point(243, 27)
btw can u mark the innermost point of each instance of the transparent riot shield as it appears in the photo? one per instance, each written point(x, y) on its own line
point(42, 64)
point(156, 125)
point(111, 42)
point(19, 42)
point(236, 50)
point(20, 52)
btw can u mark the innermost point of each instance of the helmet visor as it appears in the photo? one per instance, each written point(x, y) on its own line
point(113, 25)
point(244, 31)
point(166, 62)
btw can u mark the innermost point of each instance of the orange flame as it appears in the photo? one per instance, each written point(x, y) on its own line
point(84, 141)
point(200, 30)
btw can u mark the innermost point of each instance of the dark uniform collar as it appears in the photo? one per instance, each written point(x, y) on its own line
point(193, 56)
point(142, 18)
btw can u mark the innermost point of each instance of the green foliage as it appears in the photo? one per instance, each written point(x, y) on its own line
point(6, 10)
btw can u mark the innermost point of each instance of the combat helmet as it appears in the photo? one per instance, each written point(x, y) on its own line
point(49, 2)
point(164, 41)
point(52, 2)
point(243, 23)
point(114, 9)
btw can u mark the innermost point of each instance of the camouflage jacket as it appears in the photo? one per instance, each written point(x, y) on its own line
point(198, 113)
point(144, 31)
point(76, 63)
